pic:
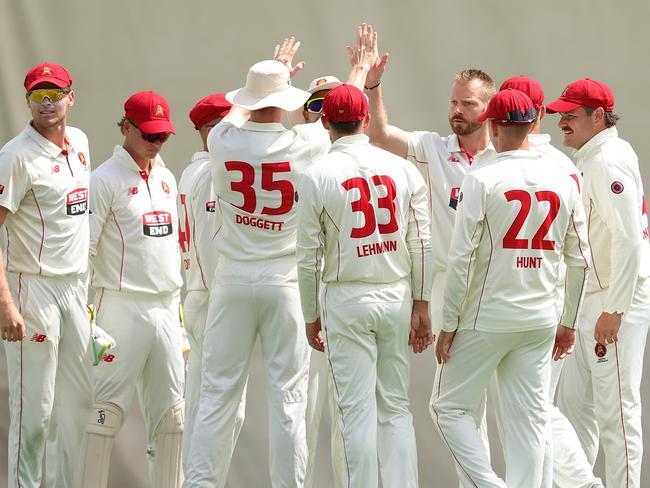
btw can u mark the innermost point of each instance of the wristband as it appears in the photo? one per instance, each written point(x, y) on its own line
point(372, 87)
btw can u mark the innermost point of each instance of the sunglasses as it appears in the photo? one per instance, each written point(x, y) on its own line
point(153, 138)
point(314, 105)
point(52, 94)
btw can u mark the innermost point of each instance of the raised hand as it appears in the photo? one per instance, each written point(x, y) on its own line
point(285, 51)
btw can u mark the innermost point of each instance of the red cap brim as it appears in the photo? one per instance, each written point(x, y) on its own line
point(561, 106)
point(47, 79)
point(155, 126)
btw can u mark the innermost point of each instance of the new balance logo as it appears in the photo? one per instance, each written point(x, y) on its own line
point(38, 338)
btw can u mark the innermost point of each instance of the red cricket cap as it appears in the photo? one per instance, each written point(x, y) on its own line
point(510, 108)
point(150, 112)
point(345, 103)
point(586, 92)
point(526, 85)
point(48, 73)
point(209, 108)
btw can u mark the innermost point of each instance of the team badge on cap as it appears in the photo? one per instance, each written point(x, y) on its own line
point(159, 111)
point(46, 71)
point(617, 187)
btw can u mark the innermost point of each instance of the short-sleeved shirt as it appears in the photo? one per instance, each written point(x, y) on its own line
point(617, 217)
point(45, 189)
point(256, 170)
point(134, 227)
point(199, 221)
point(444, 165)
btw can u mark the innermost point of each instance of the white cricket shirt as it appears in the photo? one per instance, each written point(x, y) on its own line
point(541, 143)
point(134, 227)
point(45, 190)
point(617, 218)
point(517, 214)
point(255, 171)
point(444, 165)
point(364, 212)
point(199, 221)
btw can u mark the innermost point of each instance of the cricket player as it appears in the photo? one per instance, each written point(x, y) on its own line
point(518, 214)
point(256, 168)
point(136, 276)
point(44, 179)
point(599, 390)
point(320, 389)
point(565, 462)
point(364, 214)
point(199, 222)
point(442, 160)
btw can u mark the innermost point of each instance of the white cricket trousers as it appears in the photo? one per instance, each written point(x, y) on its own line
point(436, 305)
point(195, 310)
point(601, 395)
point(248, 299)
point(50, 387)
point(521, 361)
point(148, 356)
point(366, 333)
point(321, 392)
point(565, 462)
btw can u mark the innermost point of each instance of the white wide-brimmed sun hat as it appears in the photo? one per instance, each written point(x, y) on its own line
point(267, 85)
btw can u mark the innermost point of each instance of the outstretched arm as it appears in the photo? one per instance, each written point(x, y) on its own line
point(367, 70)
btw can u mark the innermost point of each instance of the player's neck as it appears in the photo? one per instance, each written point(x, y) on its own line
point(476, 142)
point(267, 115)
point(56, 134)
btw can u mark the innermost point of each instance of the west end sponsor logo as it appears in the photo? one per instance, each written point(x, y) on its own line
point(77, 202)
point(157, 224)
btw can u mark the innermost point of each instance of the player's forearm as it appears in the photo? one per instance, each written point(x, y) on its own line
point(357, 76)
point(625, 262)
point(576, 277)
point(380, 133)
point(308, 283)
point(5, 293)
point(455, 291)
point(418, 242)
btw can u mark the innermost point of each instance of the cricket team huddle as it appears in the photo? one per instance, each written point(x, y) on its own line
point(308, 221)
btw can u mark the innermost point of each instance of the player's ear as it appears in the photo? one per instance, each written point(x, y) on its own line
point(325, 123)
point(598, 115)
point(366, 122)
point(71, 98)
point(541, 113)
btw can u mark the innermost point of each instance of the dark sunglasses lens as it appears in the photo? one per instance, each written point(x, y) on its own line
point(161, 136)
point(315, 105)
